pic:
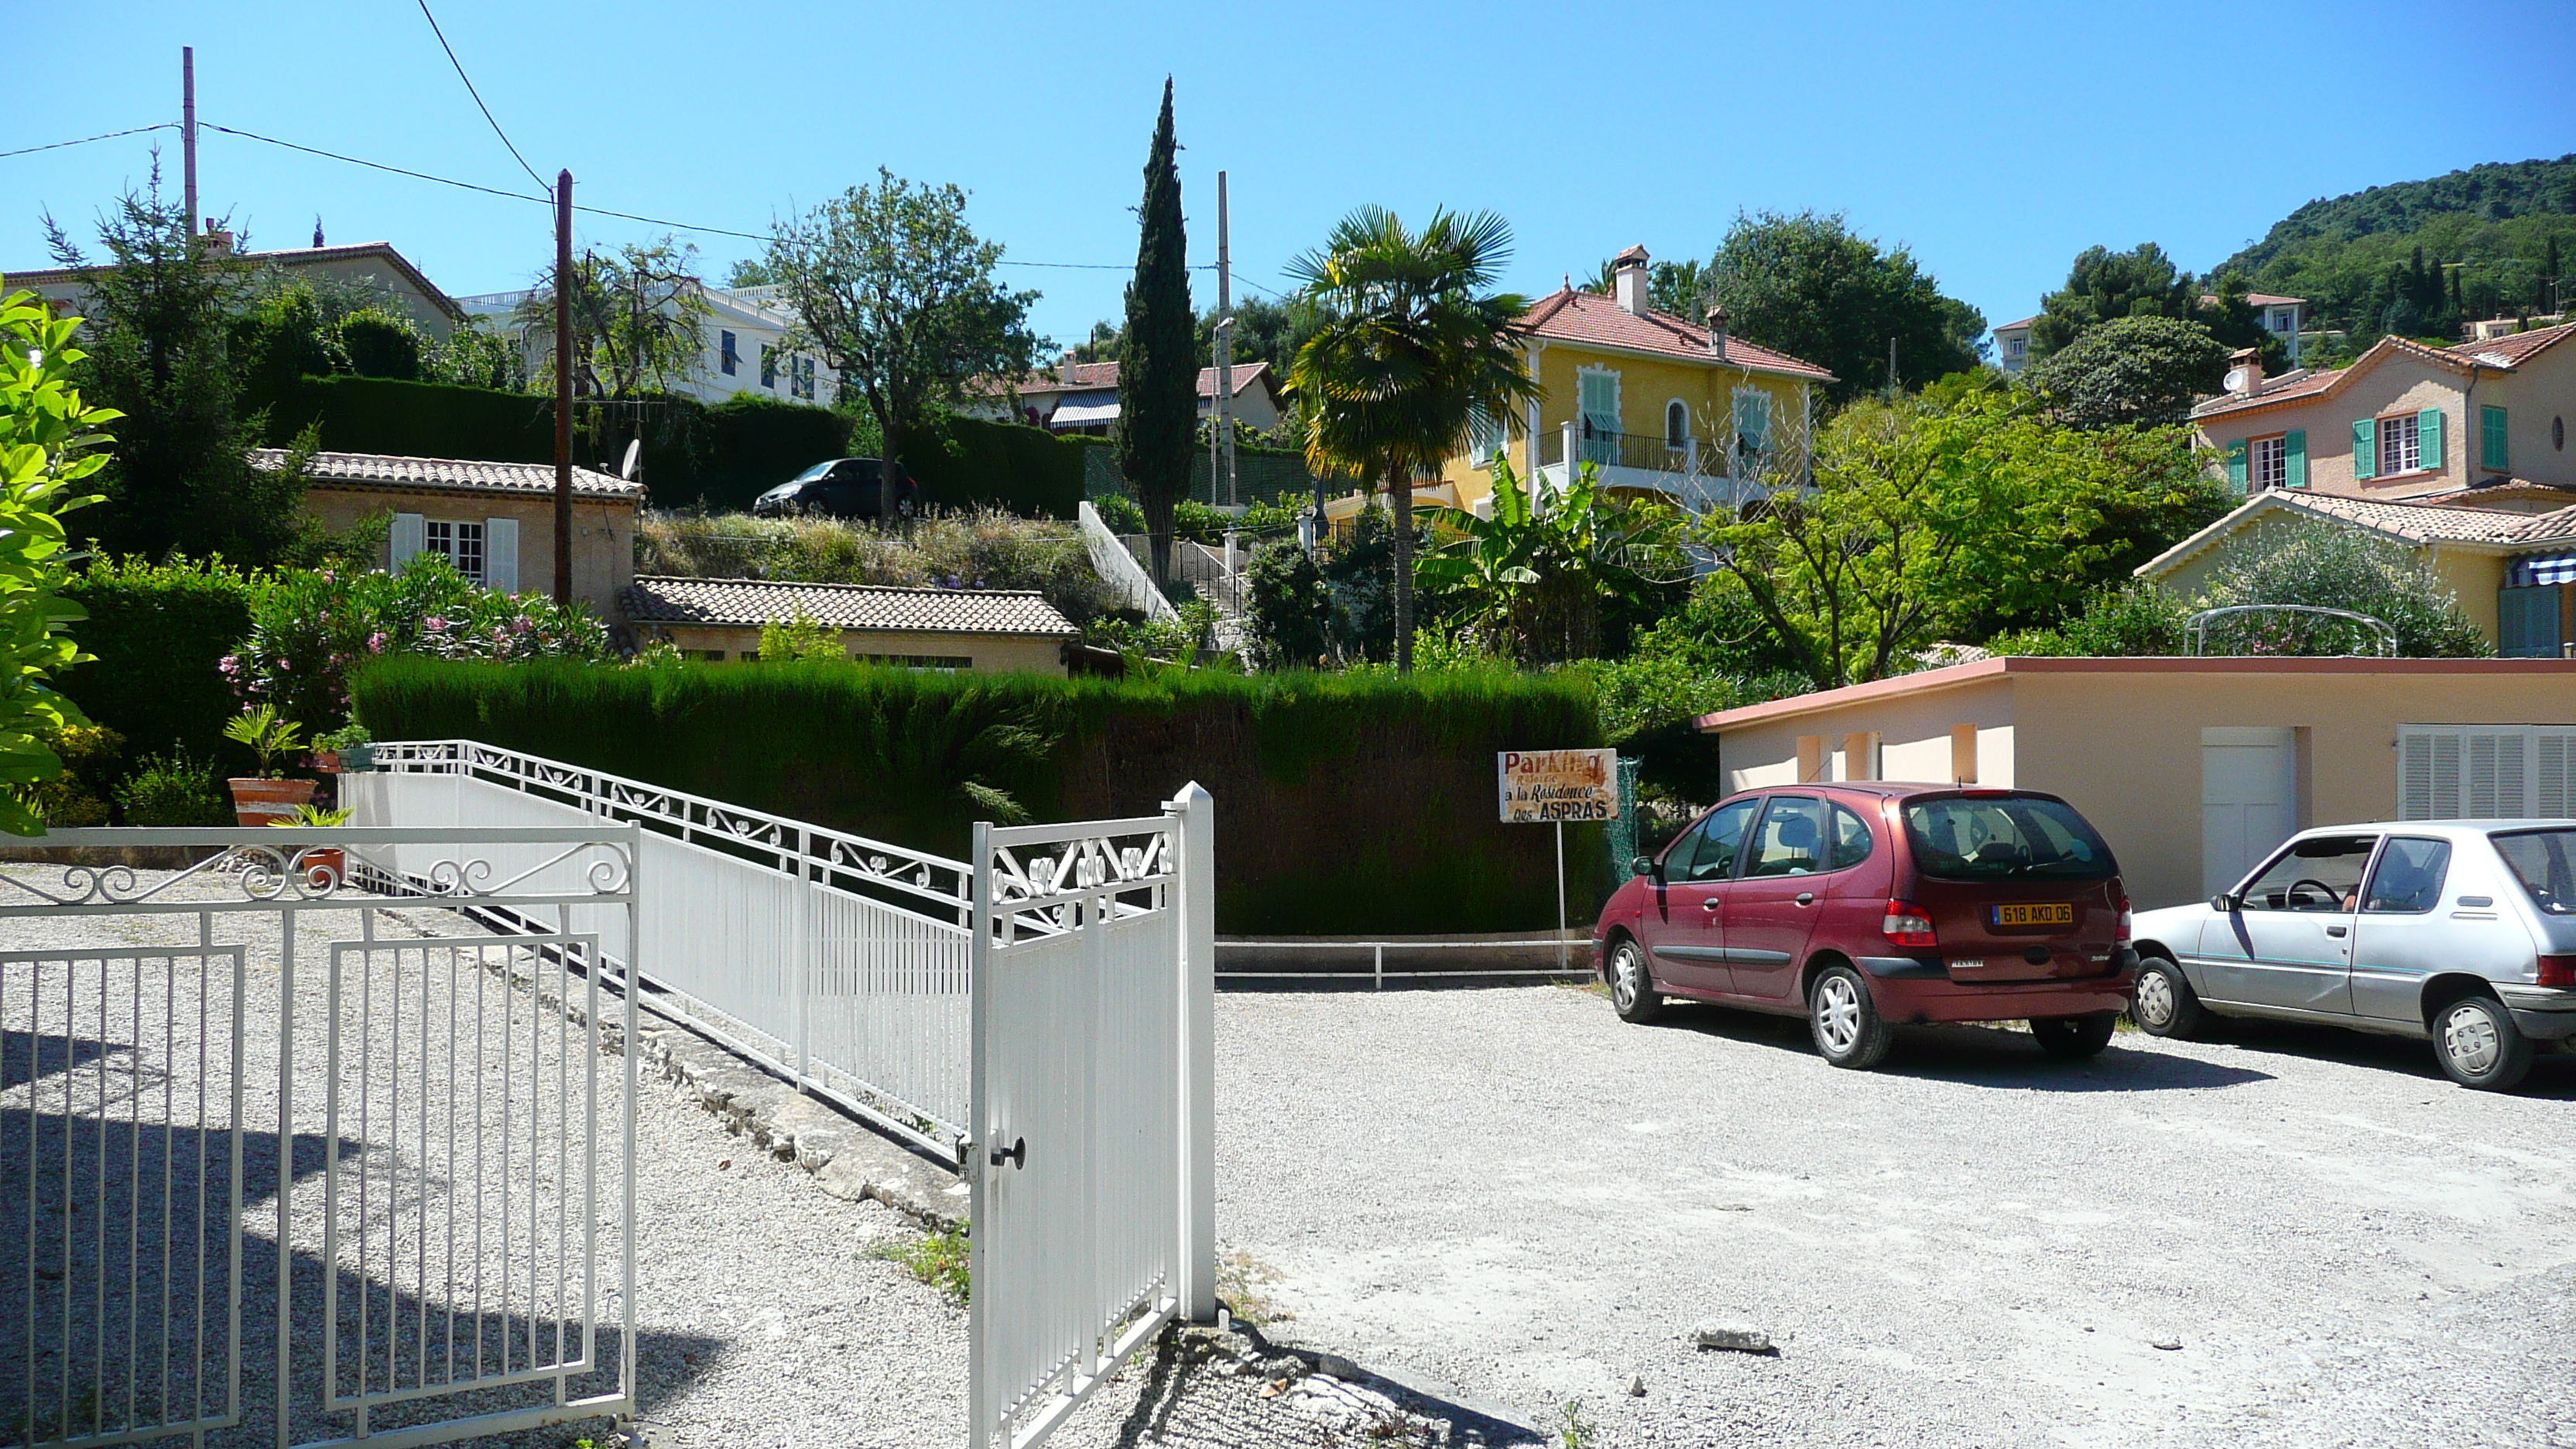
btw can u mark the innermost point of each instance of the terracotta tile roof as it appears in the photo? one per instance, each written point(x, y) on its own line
point(2023, 325)
point(2438, 522)
point(658, 599)
point(1574, 316)
point(2515, 348)
point(1103, 377)
point(2484, 494)
point(448, 475)
point(2500, 352)
point(2258, 299)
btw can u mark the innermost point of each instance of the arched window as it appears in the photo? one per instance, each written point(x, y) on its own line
point(1676, 424)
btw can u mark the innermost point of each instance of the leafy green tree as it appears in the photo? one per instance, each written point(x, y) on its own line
point(1158, 383)
point(49, 444)
point(2237, 323)
point(638, 320)
point(2104, 284)
point(896, 292)
point(1807, 285)
point(1535, 579)
point(749, 272)
point(2131, 370)
point(158, 322)
point(1287, 608)
point(1954, 515)
point(1410, 350)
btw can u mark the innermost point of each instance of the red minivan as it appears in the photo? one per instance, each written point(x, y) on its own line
point(1865, 905)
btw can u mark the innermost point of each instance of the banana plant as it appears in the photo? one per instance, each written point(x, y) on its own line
point(1534, 576)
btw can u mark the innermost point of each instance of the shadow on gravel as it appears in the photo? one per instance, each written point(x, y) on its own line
point(2553, 1076)
point(1981, 1056)
point(1193, 1399)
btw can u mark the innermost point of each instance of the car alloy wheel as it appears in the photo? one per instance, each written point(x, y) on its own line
point(1632, 986)
point(1837, 1014)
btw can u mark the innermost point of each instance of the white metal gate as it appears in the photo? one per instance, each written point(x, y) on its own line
point(1093, 1153)
point(277, 1166)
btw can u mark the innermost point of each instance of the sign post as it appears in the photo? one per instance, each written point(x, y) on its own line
point(1555, 786)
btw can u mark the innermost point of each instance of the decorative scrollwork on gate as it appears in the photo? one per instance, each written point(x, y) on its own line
point(1045, 894)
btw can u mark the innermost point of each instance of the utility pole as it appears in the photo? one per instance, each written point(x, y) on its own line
point(563, 387)
point(188, 131)
point(1221, 436)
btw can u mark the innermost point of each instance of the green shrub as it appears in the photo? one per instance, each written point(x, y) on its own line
point(173, 789)
point(382, 344)
point(160, 633)
point(77, 798)
point(1345, 804)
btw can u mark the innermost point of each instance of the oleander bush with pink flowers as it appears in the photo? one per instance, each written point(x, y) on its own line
point(311, 627)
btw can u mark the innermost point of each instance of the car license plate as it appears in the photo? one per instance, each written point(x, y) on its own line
point(2059, 914)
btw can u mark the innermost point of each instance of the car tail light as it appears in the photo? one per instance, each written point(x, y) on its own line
point(2558, 971)
point(2128, 922)
point(1908, 925)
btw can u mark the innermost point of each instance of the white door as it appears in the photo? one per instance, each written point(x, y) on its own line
point(2249, 800)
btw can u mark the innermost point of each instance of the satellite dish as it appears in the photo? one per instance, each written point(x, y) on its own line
point(2236, 379)
point(635, 456)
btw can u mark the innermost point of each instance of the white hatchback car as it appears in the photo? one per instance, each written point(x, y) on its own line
point(2461, 932)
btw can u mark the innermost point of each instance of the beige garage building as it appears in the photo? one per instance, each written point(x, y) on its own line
point(989, 631)
point(2193, 769)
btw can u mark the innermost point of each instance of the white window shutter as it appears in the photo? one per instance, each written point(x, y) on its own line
point(409, 536)
point(501, 554)
point(2553, 774)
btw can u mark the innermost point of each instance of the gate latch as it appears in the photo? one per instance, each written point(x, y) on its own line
point(1017, 1154)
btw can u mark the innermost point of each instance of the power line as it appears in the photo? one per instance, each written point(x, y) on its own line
point(85, 140)
point(628, 215)
point(478, 96)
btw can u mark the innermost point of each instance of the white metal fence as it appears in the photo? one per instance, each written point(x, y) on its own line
point(838, 961)
point(1094, 1206)
point(423, 1135)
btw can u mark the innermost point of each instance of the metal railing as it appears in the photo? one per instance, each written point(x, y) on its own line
point(838, 961)
point(1646, 452)
point(427, 1134)
point(1205, 569)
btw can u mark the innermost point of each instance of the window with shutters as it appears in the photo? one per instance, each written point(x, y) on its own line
point(803, 385)
point(1597, 396)
point(2492, 452)
point(459, 541)
point(768, 366)
point(1484, 437)
point(2398, 445)
point(1752, 431)
point(2485, 772)
point(2268, 464)
point(729, 356)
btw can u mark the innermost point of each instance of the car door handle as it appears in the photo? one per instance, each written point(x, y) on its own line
point(1806, 898)
point(2334, 930)
point(1710, 904)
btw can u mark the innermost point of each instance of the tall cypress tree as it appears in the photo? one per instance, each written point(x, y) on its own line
point(1158, 380)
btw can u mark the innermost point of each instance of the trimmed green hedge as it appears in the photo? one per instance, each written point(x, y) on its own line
point(1345, 804)
point(717, 457)
point(160, 635)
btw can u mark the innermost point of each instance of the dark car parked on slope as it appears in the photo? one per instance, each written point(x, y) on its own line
point(838, 488)
point(1865, 905)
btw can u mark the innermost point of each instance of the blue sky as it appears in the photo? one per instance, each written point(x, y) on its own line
point(1995, 140)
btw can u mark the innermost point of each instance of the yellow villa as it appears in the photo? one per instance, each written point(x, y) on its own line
point(1661, 405)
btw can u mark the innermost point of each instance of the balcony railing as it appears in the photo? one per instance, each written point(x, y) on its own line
point(1648, 452)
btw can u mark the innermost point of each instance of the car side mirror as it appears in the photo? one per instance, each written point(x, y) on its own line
point(1645, 865)
point(2223, 903)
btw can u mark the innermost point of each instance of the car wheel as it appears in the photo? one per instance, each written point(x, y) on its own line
point(1632, 984)
point(2073, 1038)
point(2478, 1044)
point(1844, 1021)
point(2164, 1003)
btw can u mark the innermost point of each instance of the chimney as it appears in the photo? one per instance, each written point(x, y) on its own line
point(217, 242)
point(1717, 332)
point(1631, 281)
point(2244, 371)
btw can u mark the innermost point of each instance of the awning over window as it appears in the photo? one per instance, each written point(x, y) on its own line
point(1080, 409)
point(2540, 570)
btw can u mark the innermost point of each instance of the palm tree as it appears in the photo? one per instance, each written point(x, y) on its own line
point(1408, 353)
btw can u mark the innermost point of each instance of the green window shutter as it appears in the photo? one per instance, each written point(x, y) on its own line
point(2365, 447)
point(2491, 439)
point(2527, 623)
point(2294, 458)
point(2236, 465)
point(2428, 438)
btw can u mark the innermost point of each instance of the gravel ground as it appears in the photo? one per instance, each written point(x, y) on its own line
point(765, 1319)
point(1513, 1192)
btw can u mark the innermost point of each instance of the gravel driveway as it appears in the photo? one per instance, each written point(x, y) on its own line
point(1511, 1192)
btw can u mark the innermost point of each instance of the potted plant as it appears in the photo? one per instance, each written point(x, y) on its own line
point(348, 750)
point(264, 798)
point(324, 865)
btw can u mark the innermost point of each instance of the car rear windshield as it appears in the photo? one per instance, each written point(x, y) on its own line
point(2545, 862)
point(2004, 837)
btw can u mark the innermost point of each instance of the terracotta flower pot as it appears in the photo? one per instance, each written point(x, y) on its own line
point(323, 867)
point(265, 802)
